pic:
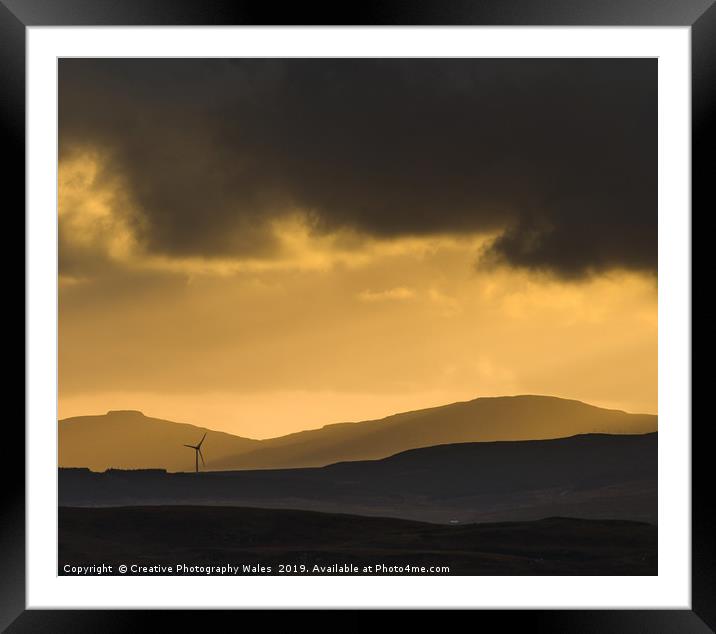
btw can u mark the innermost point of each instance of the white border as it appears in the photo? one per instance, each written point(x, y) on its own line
point(670, 589)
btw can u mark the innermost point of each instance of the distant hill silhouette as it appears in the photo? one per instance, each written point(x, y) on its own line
point(126, 439)
point(593, 476)
point(130, 440)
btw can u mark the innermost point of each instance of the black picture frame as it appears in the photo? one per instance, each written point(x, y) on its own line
point(700, 15)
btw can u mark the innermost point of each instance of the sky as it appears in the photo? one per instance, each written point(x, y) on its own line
point(265, 245)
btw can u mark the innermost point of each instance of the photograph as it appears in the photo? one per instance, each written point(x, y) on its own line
point(362, 316)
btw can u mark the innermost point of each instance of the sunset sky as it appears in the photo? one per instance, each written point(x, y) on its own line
point(264, 246)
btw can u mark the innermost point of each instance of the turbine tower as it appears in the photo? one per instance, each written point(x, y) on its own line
point(197, 452)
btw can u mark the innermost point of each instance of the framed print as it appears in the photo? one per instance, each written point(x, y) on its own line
point(392, 314)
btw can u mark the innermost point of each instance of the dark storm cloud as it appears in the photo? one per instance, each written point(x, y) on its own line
point(561, 154)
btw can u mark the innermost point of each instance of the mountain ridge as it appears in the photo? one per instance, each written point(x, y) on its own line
point(608, 476)
point(128, 439)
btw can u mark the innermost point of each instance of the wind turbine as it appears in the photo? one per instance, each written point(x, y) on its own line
point(197, 449)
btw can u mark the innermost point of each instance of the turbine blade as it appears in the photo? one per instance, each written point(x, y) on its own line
point(201, 455)
point(190, 446)
point(202, 440)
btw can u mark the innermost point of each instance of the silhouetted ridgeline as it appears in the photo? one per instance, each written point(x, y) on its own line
point(588, 476)
point(126, 439)
point(130, 440)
